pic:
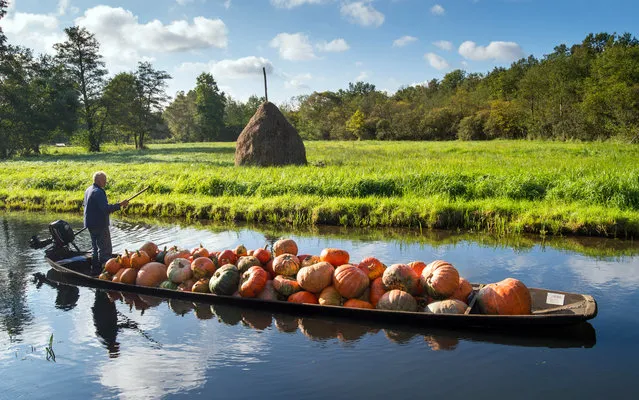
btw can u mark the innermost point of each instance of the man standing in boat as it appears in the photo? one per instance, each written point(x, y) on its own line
point(96, 220)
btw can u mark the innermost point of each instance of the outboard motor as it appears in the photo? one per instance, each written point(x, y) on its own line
point(62, 236)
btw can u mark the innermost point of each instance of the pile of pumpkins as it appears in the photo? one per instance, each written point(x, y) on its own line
point(328, 279)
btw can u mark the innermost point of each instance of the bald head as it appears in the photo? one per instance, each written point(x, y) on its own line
point(100, 179)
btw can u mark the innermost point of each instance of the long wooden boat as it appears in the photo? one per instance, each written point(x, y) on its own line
point(549, 307)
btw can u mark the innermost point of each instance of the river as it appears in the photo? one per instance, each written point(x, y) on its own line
point(112, 345)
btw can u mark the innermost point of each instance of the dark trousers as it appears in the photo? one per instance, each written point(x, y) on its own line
point(102, 249)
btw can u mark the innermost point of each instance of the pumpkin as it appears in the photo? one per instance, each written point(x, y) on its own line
point(240, 251)
point(253, 281)
point(417, 266)
point(402, 277)
point(308, 260)
point(286, 286)
point(350, 281)
point(372, 267)
point(269, 268)
point(440, 279)
point(129, 275)
point(315, 277)
point(175, 252)
point(286, 264)
point(268, 293)
point(263, 255)
point(225, 280)
point(201, 286)
point(451, 306)
point(139, 258)
point(377, 291)
point(187, 285)
point(105, 276)
point(285, 246)
point(507, 297)
point(355, 303)
point(463, 290)
point(113, 265)
point(330, 297)
point(397, 300)
point(303, 297)
point(125, 259)
point(202, 267)
point(179, 270)
point(227, 257)
point(160, 256)
point(199, 252)
point(246, 262)
point(168, 285)
point(335, 257)
point(151, 249)
point(151, 274)
point(116, 277)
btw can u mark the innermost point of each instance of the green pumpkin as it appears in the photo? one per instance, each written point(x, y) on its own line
point(246, 262)
point(160, 257)
point(225, 280)
point(168, 285)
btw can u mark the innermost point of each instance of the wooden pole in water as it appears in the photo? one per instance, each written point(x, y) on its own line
point(265, 89)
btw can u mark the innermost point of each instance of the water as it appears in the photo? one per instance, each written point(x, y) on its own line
point(113, 345)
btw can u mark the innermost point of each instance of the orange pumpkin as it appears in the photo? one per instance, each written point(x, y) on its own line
point(397, 300)
point(377, 291)
point(402, 277)
point(355, 303)
point(151, 249)
point(372, 267)
point(201, 286)
point(129, 275)
point(151, 274)
point(202, 267)
point(350, 281)
point(139, 258)
point(240, 251)
point(125, 259)
point(286, 264)
point(508, 297)
point(336, 257)
point(417, 266)
point(105, 276)
point(330, 297)
point(463, 290)
point(113, 265)
point(286, 286)
point(316, 277)
point(285, 246)
point(263, 255)
point(116, 277)
point(175, 252)
point(308, 260)
point(440, 279)
point(253, 281)
point(200, 251)
point(303, 297)
point(227, 257)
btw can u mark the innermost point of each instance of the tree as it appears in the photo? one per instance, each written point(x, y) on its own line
point(80, 54)
point(180, 117)
point(209, 107)
point(122, 105)
point(3, 38)
point(151, 88)
point(355, 124)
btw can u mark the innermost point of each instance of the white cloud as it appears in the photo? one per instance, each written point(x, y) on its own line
point(336, 46)
point(298, 81)
point(36, 31)
point(124, 40)
point(424, 84)
point(436, 61)
point(364, 75)
point(240, 68)
point(294, 47)
point(295, 3)
point(437, 10)
point(444, 45)
point(63, 5)
point(501, 51)
point(362, 13)
point(403, 41)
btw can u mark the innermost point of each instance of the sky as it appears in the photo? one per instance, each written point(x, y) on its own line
point(315, 45)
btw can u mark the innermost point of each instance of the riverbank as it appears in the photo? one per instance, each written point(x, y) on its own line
point(501, 187)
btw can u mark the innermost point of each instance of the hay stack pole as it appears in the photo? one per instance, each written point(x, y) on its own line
point(269, 139)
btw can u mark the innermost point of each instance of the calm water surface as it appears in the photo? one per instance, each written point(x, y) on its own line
point(112, 345)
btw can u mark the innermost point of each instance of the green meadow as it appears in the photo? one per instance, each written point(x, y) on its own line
point(502, 187)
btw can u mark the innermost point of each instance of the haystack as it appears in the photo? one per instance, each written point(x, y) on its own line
point(269, 139)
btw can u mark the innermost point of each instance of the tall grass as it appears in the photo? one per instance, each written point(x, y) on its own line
point(499, 186)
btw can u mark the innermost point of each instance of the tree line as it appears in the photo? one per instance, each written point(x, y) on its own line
point(589, 91)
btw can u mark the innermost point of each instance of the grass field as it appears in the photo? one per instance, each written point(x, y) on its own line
point(500, 186)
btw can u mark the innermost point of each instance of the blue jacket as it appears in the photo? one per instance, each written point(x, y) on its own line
point(97, 208)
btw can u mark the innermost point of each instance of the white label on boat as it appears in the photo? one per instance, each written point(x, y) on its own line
point(555, 299)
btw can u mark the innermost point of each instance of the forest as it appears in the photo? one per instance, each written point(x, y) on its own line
point(587, 91)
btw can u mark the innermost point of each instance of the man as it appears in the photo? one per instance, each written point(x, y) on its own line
point(96, 220)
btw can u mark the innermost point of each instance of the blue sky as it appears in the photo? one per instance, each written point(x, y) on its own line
point(316, 45)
